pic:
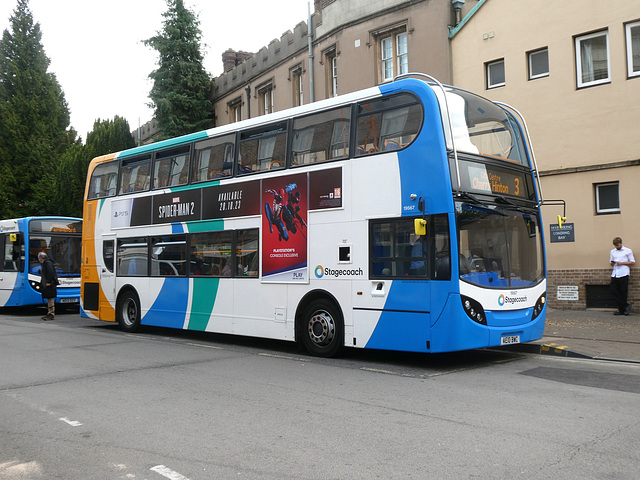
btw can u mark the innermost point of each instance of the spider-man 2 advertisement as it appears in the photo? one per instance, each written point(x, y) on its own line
point(284, 228)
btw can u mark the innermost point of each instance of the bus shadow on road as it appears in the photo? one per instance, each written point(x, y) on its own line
point(348, 357)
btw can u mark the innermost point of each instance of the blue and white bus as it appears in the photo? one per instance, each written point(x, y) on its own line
point(21, 240)
point(404, 216)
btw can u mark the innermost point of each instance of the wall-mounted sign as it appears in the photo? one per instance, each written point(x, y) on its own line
point(564, 234)
point(567, 292)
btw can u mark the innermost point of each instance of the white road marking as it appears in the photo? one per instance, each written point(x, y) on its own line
point(168, 473)
point(73, 423)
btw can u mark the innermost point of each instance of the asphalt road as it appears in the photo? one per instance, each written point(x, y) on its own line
point(81, 400)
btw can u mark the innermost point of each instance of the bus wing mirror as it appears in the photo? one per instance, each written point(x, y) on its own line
point(420, 225)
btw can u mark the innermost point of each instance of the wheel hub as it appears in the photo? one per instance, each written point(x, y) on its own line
point(321, 328)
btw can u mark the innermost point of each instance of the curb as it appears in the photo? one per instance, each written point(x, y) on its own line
point(548, 349)
point(558, 350)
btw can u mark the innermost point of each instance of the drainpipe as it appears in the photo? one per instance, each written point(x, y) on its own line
point(248, 90)
point(310, 39)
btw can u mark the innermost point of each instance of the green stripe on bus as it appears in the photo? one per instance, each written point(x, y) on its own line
point(205, 291)
point(152, 147)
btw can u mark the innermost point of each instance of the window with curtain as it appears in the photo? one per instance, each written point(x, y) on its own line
point(592, 59)
point(633, 49)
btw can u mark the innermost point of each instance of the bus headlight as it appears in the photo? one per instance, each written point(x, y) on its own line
point(473, 310)
point(537, 309)
point(34, 285)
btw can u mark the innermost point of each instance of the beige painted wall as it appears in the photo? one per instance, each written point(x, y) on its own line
point(570, 128)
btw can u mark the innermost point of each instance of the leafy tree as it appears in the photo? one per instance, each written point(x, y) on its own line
point(110, 136)
point(34, 119)
point(107, 136)
point(181, 87)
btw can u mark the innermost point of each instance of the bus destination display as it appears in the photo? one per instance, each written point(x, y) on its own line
point(490, 179)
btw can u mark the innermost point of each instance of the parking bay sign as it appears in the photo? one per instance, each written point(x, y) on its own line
point(564, 234)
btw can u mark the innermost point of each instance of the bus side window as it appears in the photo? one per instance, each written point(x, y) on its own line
point(103, 181)
point(263, 149)
point(133, 256)
point(388, 123)
point(107, 254)
point(135, 175)
point(171, 168)
point(247, 253)
point(322, 136)
point(211, 254)
point(441, 246)
point(213, 158)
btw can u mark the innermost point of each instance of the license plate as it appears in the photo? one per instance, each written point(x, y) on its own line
point(509, 340)
point(68, 300)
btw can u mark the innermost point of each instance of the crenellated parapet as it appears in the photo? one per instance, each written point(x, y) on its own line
point(240, 70)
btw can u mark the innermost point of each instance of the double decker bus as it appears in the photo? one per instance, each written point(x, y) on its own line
point(21, 239)
point(401, 217)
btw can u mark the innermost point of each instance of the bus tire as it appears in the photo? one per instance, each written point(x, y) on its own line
point(322, 329)
point(128, 311)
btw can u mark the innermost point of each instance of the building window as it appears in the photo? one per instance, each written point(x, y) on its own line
point(592, 59)
point(394, 55)
point(235, 110)
point(607, 197)
point(539, 63)
point(296, 82)
point(633, 49)
point(495, 74)
point(265, 99)
point(331, 72)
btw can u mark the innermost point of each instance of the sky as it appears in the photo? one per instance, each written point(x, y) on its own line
point(96, 51)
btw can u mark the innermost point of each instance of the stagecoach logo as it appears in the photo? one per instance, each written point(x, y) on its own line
point(337, 272)
point(502, 300)
point(7, 228)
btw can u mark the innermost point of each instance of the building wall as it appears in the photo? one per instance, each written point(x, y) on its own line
point(581, 136)
point(351, 29)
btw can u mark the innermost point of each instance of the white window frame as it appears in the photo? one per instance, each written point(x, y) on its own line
point(265, 99)
point(334, 75)
point(631, 51)
point(530, 56)
point(298, 94)
point(394, 55)
point(579, 42)
point(235, 110)
point(597, 190)
point(490, 83)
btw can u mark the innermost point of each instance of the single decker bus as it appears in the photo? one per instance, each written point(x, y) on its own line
point(21, 240)
point(401, 217)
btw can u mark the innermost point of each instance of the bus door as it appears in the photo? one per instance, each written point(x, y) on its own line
point(106, 267)
point(10, 267)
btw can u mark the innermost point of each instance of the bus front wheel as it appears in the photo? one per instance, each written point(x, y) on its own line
point(322, 329)
point(129, 312)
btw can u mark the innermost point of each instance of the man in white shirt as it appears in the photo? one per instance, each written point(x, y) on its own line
point(621, 258)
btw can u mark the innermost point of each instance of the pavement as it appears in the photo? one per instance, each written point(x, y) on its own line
point(593, 333)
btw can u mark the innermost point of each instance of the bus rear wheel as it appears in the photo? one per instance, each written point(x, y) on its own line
point(322, 329)
point(128, 312)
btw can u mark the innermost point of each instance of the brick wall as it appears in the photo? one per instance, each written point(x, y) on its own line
point(582, 278)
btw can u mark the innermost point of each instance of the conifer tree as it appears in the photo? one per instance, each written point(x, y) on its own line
point(180, 95)
point(34, 119)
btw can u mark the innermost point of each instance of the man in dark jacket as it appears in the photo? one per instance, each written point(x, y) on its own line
point(48, 284)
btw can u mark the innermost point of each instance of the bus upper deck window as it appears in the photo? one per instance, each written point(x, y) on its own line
point(135, 175)
point(171, 168)
point(213, 158)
